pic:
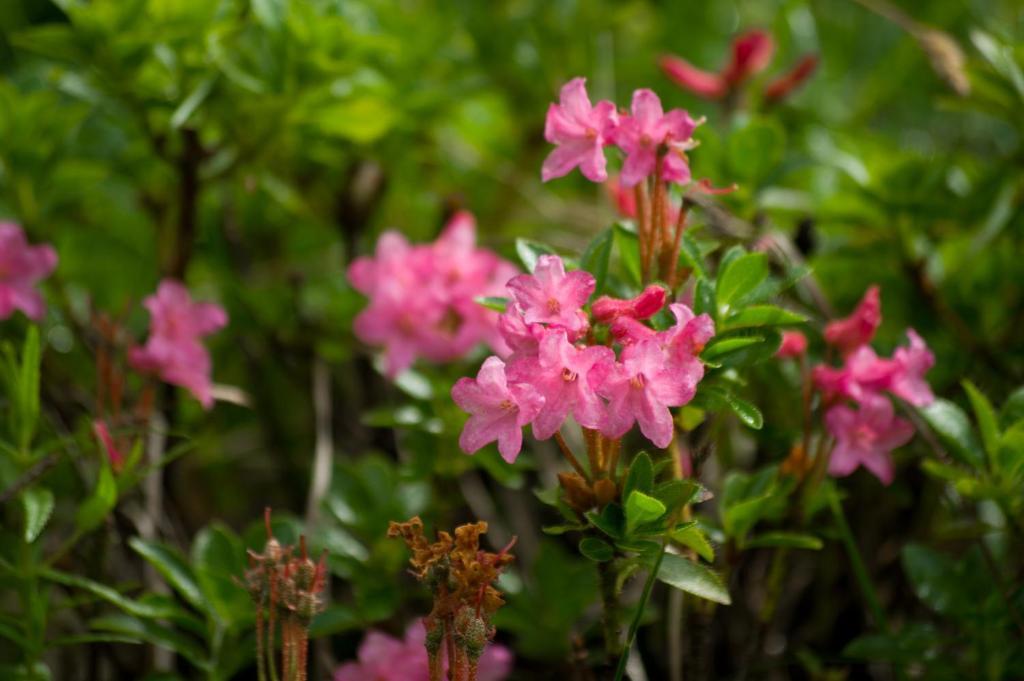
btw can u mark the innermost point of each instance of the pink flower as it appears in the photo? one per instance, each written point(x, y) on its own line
point(698, 81)
point(863, 374)
point(786, 84)
point(21, 267)
point(751, 53)
point(581, 131)
point(498, 410)
point(174, 350)
point(561, 374)
point(99, 428)
point(643, 306)
point(551, 296)
point(859, 328)
point(910, 366)
point(865, 437)
point(641, 389)
point(385, 658)
point(423, 297)
point(794, 344)
point(642, 134)
point(682, 341)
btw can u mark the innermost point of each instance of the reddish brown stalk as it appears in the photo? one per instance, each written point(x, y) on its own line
point(449, 642)
point(642, 230)
point(471, 669)
point(435, 667)
point(677, 242)
point(460, 663)
point(303, 652)
point(570, 457)
point(658, 209)
point(261, 671)
point(613, 458)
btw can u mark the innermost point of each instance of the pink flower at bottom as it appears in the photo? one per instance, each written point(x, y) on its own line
point(498, 410)
point(21, 267)
point(865, 437)
point(386, 658)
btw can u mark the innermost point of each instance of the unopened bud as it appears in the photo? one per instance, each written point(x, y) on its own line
point(605, 491)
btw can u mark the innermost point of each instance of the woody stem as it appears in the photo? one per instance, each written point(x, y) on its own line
point(570, 457)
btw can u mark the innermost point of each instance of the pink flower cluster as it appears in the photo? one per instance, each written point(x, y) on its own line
point(860, 416)
point(653, 141)
point(174, 350)
point(423, 297)
point(21, 267)
point(386, 658)
point(751, 54)
point(555, 371)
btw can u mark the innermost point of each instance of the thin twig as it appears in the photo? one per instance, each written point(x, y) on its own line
point(570, 457)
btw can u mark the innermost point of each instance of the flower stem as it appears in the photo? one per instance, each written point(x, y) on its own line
point(635, 624)
point(569, 456)
point(610, 612)
point(857, 562)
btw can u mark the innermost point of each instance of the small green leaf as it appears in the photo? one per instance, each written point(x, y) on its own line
point(192, 102)
point(641, 509)
point(596, 257)
point(115, 598)
point(704, 298)
point(154, 633)
point(640, 476)
point(689, 535)
point(693, 578)
point(763, 315)
point(677, 493)
point(611, 520)
point(747, 412)
point(596, 549)
point(558, 530)
point(92, 512)
point(529, 252)
point(789, 540)
point(691, 256)
point(172, 566)
point(270, 13)
point(988, 424)
point(740, 276)
point(496, 303)
point(37, 503)
point(953, 429)
point(719, 348)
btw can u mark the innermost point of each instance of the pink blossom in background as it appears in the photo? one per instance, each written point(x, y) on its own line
point(643, 306)
point(22, 266)
point(785, 84)
point(911, 364)
point(698, 81)
point(641, 134)
point(859, 328)
point(385, 658)
point(751, 54)
point(174, 350)
point(498, 410)
point(794, 344)
point(552, 296)
point(102, 432)
point(561, 374)
point(581, 131)
point(422, 298)
point(865, 437)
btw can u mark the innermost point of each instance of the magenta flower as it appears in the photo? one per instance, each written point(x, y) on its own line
point(794, 345)
point(910, 365)
point(641, 135)
point(498, 410)
point(751, 53)
point(863, 374)
point(561, 374)
point(643, 306)
point(859, 328)
point(865, 437)
point(641, 389)
point(386, 658)
point(552, 296)
point(581, 132)
point(174, 350)
point(21, 267)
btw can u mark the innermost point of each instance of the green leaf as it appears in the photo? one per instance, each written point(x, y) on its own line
point(690, 535)
point(693, 578)
point(37, 503)
point(154, 633)
point(953, 429)
point(596, 257)
point(362, 119)
point(763, 315)
point(530, 251)
point(596, 549)
point(558, 530)
point(677, 493)
point(1013, 408)
point(611, 520)
point(722, 347)
point(192, 102)
point(641, 509)
point(496, 303)
point(788, 540)
point(749, 414)
point(270, 13)
point(691, 256)
point(704, 298)
point(115, 598)
point(92, 512)
point(640, 475)
point(988, 424)
point(218, 558)
point(172, 566)
point(755, 149)
point(739, 277)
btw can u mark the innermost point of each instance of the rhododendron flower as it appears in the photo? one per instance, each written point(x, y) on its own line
point(911, 364)
point(561, 373)
point(642, 387)
point(645, 305)
point(698, 81)
point(865, 437)
point(423, 297)
point(21, 267)
point(552, 296)
point(794, 344)
point(751, 53)
point(581, 131)
point(386, 658)
point(498, 410)
point(684, 339)
point(863, 373)
point(859, 328)
point(174, 350)
point(785, 84)
point(641, 134)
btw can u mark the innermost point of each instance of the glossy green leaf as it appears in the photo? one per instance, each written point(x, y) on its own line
point(782, 539)
point(103, 499)
point(174, 569)
point(693, 578)
point(37, 503)
point(640, 475)
point(641, 509)
point(690, 535)
point(763, 315)
point(953, 429)
point(154, 633)
point(988, 423)
point(596, 549)
point(739, 277)
point(596, 258)
point(496, 303)
point(115, 598)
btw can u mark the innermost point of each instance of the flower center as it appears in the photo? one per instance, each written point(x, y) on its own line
point(646, 140)
point(553, 305)
point(637, 381)
point(863, 435)
point(590, 134)
point(568, 375)
point(508, 405)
